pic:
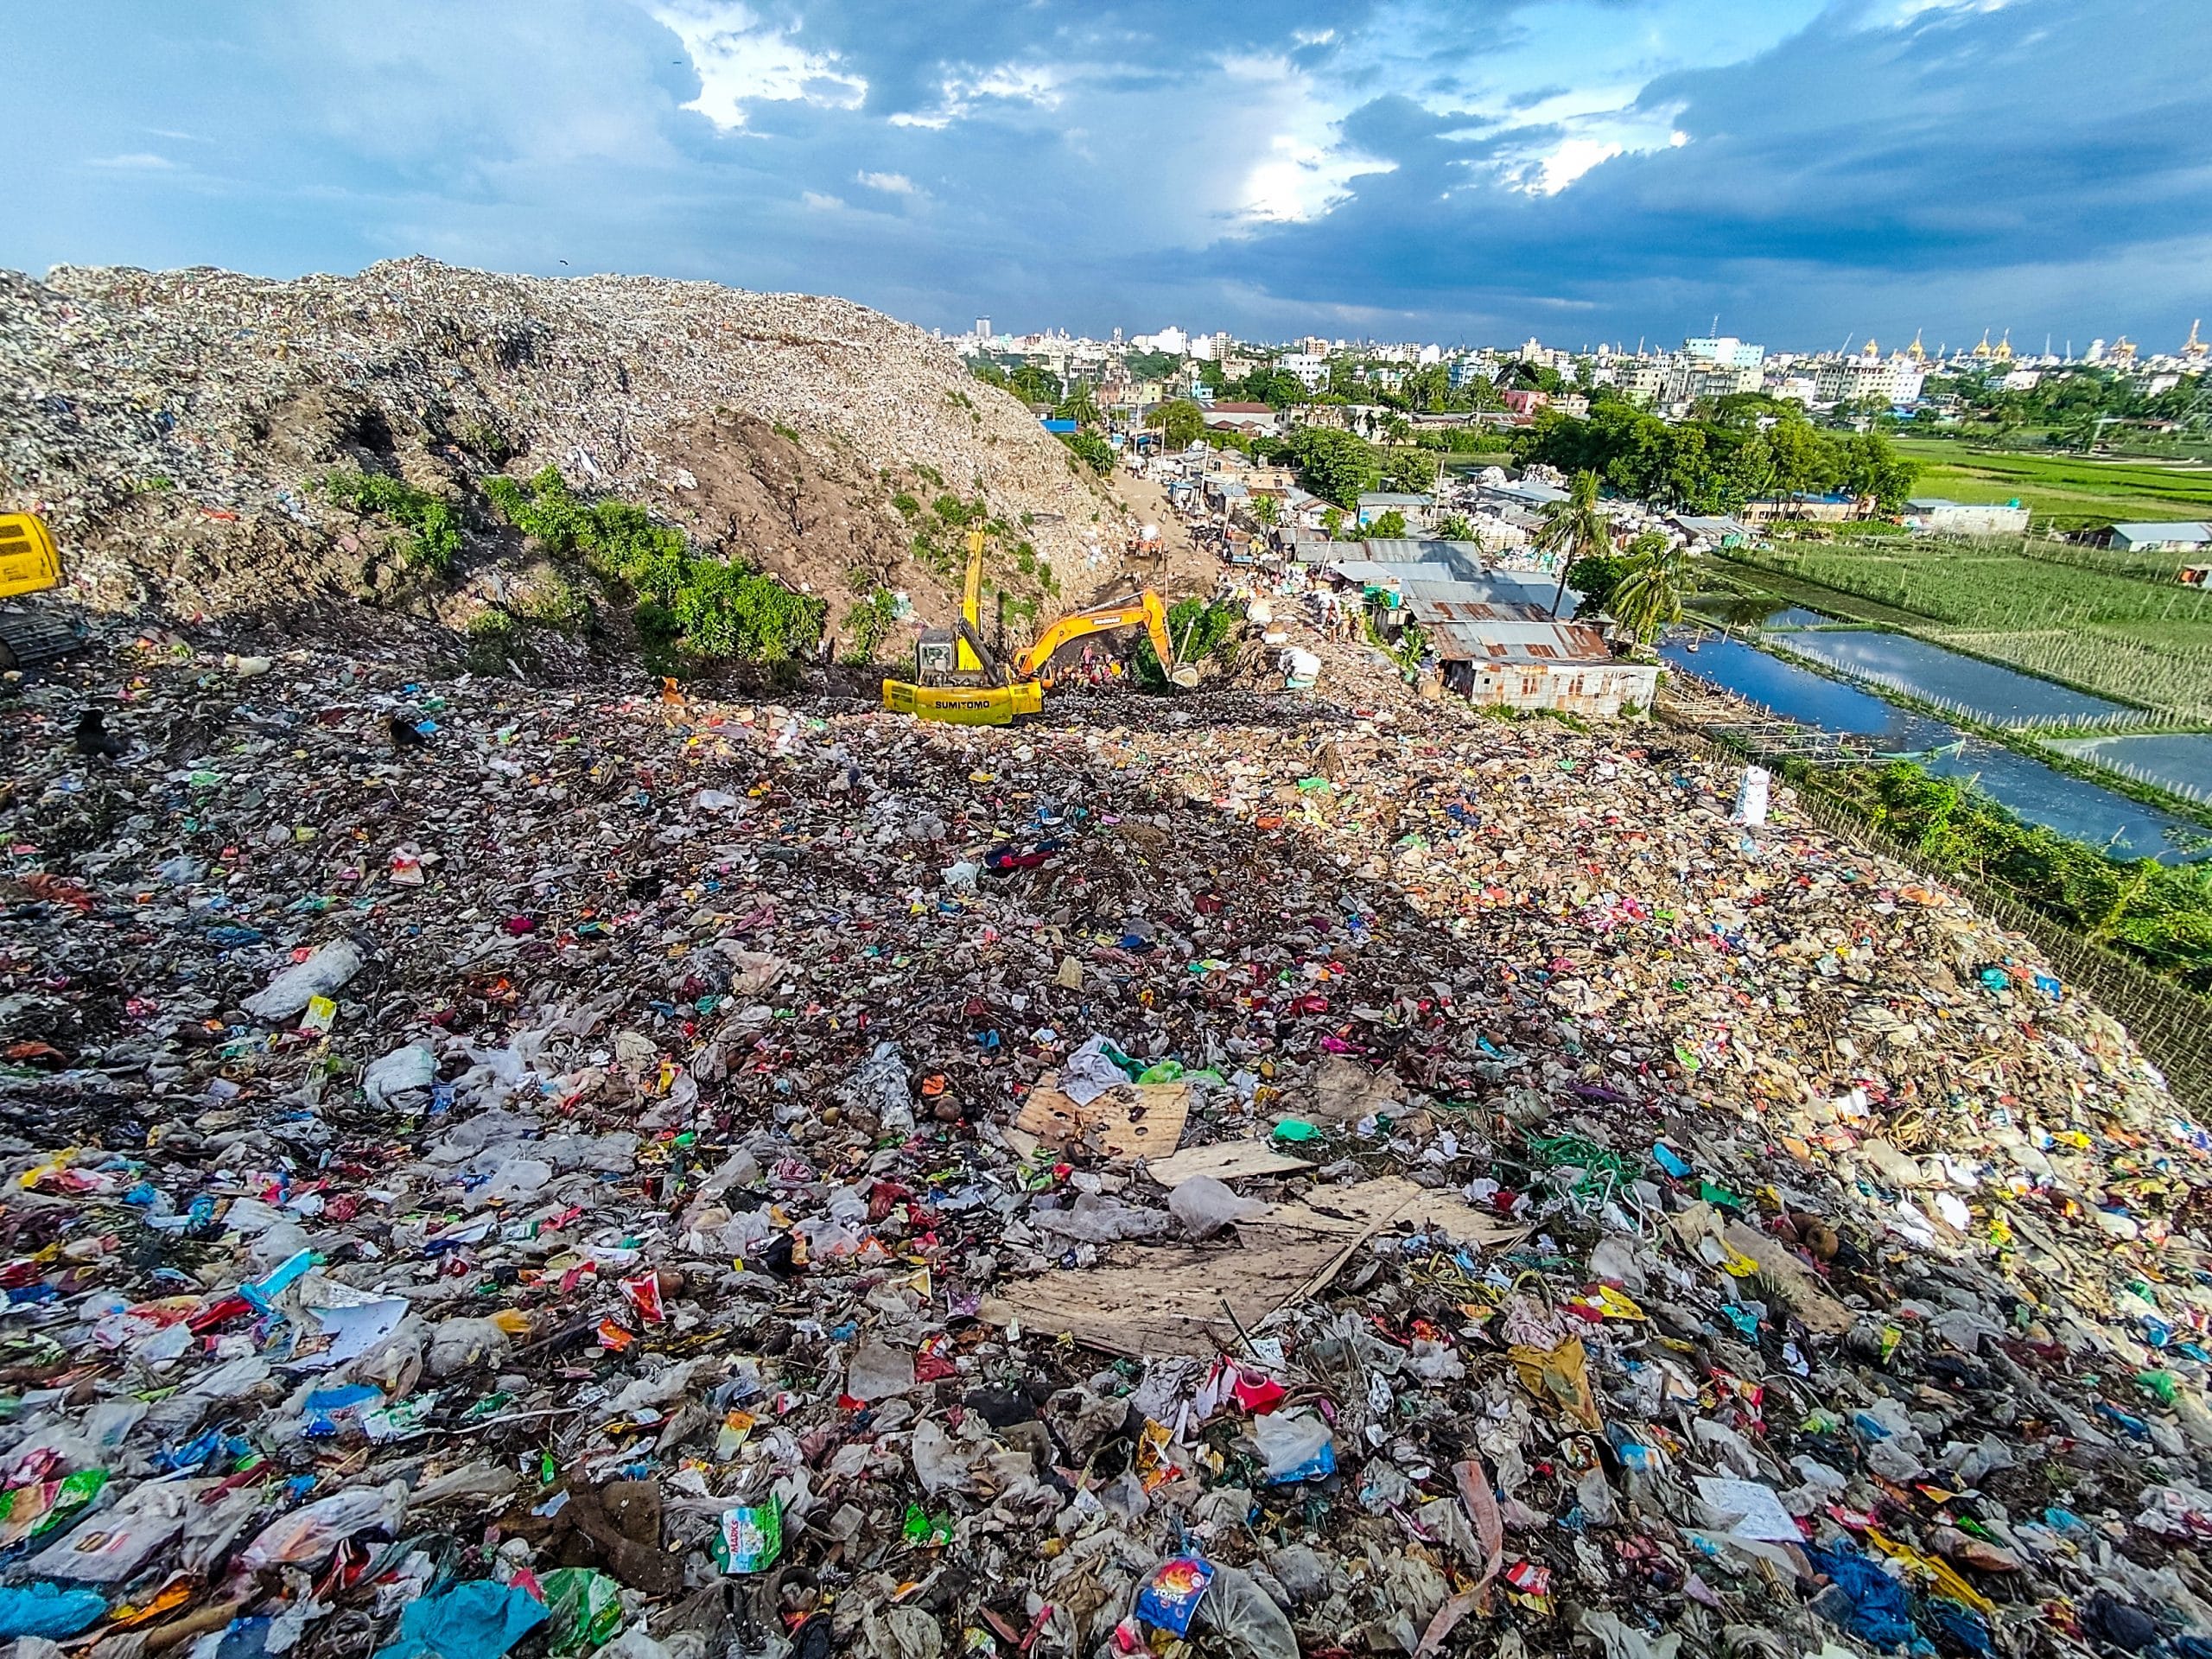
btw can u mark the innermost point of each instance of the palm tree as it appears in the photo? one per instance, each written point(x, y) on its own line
point(1649, 596)
point(1266, 509)
point(1573, 528)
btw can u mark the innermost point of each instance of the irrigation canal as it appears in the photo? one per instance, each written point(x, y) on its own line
point(2083, 811)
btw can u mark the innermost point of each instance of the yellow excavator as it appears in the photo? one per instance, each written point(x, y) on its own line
point(29, 563)
point(958, 677)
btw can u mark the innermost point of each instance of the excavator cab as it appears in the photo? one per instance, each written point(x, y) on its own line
point(29, 563)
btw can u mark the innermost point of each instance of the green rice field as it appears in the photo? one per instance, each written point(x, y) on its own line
point(2137, 639)
point(2069, 492)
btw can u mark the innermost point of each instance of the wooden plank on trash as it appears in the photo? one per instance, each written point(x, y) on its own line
point(1368, 1207)
point(1172, 1300)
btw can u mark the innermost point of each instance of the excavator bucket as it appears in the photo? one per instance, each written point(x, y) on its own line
point(1185, 677)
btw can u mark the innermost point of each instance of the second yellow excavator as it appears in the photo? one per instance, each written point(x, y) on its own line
point(958, 677)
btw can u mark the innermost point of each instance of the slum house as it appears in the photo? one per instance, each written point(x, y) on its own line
point(1300, 545)
point(1419, 510)
point(1528, 493)
point(1387, 563)
point(1520, 657)
point(1804, 507)
point(1492, 633)
point(1248, 420)
point(2184, 536)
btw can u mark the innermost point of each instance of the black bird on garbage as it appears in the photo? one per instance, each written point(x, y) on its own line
point(403, 734)
point(94, 738)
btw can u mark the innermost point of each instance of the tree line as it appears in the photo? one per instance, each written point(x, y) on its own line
point(1715, 465)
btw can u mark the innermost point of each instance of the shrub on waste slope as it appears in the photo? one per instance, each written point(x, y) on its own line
point(1198, 629)
point(435, 539)
point(710, 607)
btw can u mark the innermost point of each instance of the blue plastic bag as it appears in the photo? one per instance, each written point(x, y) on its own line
point(44, 1609)
point(1879, 1608)
point(477, 1620)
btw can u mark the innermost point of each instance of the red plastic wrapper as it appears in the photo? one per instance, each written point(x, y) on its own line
point(644, 1293)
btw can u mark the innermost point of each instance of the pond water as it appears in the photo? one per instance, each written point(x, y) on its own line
point(2181, 761)
point(2001, 695)
point(2031, 790)
point(1741, 611)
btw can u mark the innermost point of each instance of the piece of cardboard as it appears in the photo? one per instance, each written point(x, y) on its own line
point(1224, 1160)
point(1180, 1300)
point(1136, 1120)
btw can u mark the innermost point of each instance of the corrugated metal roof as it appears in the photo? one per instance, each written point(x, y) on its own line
point(1521, 644)
point(2179, 530)
point(1446, 584)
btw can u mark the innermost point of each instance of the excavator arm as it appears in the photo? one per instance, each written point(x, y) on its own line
point(1146, 609)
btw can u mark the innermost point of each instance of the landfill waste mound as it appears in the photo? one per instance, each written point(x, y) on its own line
point(174, 426)
point(500, 1169)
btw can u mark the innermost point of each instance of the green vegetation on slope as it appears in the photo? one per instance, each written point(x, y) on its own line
point(2160, 914)
point(434, 538)
point(691, 609)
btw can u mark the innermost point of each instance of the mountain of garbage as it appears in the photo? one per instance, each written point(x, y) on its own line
point(177, 428)
point(499, 1169)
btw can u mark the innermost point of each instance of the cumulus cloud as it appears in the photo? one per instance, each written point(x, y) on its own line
point(1858, 174)
point(1429, 166)
point(743, 60)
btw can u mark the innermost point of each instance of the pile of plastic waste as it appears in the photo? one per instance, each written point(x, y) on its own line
point(498, 1170)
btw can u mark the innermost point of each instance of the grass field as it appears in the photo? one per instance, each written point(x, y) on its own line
point(2068, 490)
point(2142, 641)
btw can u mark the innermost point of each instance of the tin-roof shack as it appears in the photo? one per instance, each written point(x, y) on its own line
point(1493, 634)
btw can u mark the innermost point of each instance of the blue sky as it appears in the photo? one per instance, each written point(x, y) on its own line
point(1463, 170)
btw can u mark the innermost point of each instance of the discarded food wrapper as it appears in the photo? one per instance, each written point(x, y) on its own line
point(1171, 1596)
point(643, 1294)
point(750, 1537)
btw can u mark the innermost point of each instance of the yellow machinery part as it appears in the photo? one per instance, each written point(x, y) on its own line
point(29, 563)
point(1146, 609)
point(964, 705)
point(966, 658)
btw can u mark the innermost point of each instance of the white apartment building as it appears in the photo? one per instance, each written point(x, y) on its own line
point(1723, 351)
point(1857, 379)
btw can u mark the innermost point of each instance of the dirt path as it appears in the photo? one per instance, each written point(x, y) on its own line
point(1187, 568)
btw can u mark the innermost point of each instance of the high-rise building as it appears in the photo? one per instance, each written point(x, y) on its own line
point(1723, 351)
point(982, 327)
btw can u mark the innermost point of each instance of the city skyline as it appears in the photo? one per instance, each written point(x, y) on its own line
point(1582, 170)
